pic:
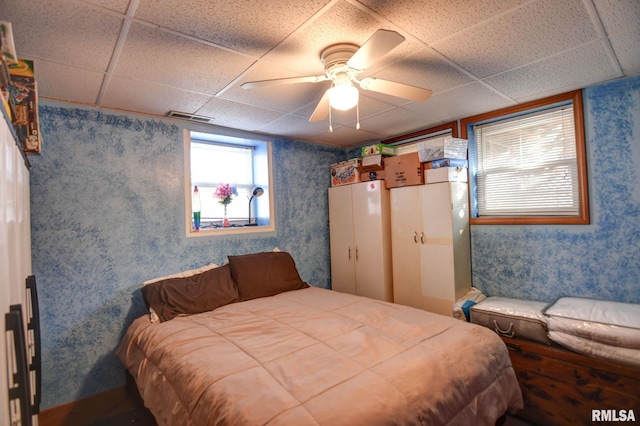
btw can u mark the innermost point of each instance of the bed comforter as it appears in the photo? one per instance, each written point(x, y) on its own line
point(318, 357)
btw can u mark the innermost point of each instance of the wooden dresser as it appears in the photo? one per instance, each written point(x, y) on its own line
point(561, 387)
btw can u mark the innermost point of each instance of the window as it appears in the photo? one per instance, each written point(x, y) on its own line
point(215, 160)
point(529, 163)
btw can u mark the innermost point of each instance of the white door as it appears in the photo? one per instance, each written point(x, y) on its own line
point(368, 238)
point(341, 243)
point(406, 228)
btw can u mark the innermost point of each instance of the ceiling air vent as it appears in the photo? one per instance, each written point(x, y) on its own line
point(189, 116)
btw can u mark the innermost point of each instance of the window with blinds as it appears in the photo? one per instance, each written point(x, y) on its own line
point(527, 166)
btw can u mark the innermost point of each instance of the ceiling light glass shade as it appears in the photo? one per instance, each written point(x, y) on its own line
point(343, 96)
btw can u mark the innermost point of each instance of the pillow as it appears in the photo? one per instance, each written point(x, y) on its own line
point(264, 274)
point(152, 314)
point(192, 294)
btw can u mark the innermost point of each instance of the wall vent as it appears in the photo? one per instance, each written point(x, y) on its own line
point(189, 116)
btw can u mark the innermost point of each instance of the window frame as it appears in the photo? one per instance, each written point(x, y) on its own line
point(575, 97)
point(188, 188)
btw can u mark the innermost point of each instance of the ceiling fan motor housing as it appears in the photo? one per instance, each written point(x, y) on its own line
point(335, 57)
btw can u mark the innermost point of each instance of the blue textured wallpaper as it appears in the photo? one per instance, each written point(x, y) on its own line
point(107, 207)
point(601, 260)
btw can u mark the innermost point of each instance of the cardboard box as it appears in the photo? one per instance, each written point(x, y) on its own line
point(24, 90)
point(369, 176)
point(403, 170)
point(372, 163)
point(446, 162)
point(442, 147)
point(345, 172)
point(445, 174)
point(386, 150)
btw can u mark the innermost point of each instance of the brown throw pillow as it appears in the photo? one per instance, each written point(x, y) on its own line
point(191, 295)
point(264, 274)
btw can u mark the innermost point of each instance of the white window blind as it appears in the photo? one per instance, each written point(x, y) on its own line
point(527, 165)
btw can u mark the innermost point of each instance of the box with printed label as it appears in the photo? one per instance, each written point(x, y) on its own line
point(345, 172)
point(446, 162)
point(442, 147)
point(403, 170)
point(24, 89)
point(386, 150)
point(445, 174)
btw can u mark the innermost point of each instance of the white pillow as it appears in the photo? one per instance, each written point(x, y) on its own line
point(153, 316)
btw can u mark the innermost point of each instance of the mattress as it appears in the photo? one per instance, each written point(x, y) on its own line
point(510, 317)
point(318, 357)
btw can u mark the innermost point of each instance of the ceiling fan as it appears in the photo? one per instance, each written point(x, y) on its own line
point(342, 64)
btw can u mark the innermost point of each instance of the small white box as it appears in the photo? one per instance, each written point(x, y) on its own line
point(445, 174)
point(442, 147)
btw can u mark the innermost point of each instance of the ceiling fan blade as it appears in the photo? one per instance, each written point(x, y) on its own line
point(400, 90)
point(378, 45)
point(280, 81)
point(322, 110)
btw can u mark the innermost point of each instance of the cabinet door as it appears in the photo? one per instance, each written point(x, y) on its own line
point(341, 239)
point(369, 239)
point(406, 227)
point(437, 254)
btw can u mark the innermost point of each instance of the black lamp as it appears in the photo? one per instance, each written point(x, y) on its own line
point(257, 191)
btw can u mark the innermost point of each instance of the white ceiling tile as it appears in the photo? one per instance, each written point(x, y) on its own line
point(229, 114)
point(62, 31)
point(434, 20)
point(569, 71)
point(618, 16)
point(464, 101)
point(139, 95)
point(53, 82)
point(175, 61)
point(115, 5)
point(627, 51)
point(535, 31)
point(243, 25)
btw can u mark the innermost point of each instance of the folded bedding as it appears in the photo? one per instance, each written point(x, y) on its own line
point(614, 324)
point(317, 357)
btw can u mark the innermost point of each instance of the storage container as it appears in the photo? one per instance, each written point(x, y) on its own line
point(515, 318)
point(442, 147)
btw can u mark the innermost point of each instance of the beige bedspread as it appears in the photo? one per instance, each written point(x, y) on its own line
point(315, 356)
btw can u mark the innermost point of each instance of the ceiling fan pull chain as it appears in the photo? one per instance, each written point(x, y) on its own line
point(358, 116)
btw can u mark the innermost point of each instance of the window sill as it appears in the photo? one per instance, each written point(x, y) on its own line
point(231, 230)
point(531, 220)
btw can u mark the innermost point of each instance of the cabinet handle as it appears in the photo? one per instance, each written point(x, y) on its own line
point(422, 237)
point(415, 237)
point(356, 252)
point(349, 253)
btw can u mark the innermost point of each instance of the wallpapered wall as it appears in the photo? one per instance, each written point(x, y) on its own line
point(601, 260)
point(107, 207)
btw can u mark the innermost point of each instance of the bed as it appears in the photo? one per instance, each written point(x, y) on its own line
point(278, 351)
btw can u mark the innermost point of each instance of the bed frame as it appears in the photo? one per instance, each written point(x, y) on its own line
point(562, 387)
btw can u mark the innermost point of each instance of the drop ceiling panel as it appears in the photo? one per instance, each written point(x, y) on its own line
point(550, 76)
point(229, 114)
point(525, 35)
point(52, 79)
point(139, 95)
point(626, 48)
point(618, 16)
point(176, 61)
point(431, 21)
point(115, 5)
point(65, 32)
point(241, 25)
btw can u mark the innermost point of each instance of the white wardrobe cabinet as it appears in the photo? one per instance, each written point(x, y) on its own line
point(360, 240)
point(430, 245)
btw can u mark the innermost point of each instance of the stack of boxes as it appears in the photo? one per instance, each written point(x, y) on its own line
point(444, 159)
point(370, 166)
point(19, 92)
point(441, 159)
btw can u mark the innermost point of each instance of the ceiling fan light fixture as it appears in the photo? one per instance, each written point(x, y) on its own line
point(343, 96)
